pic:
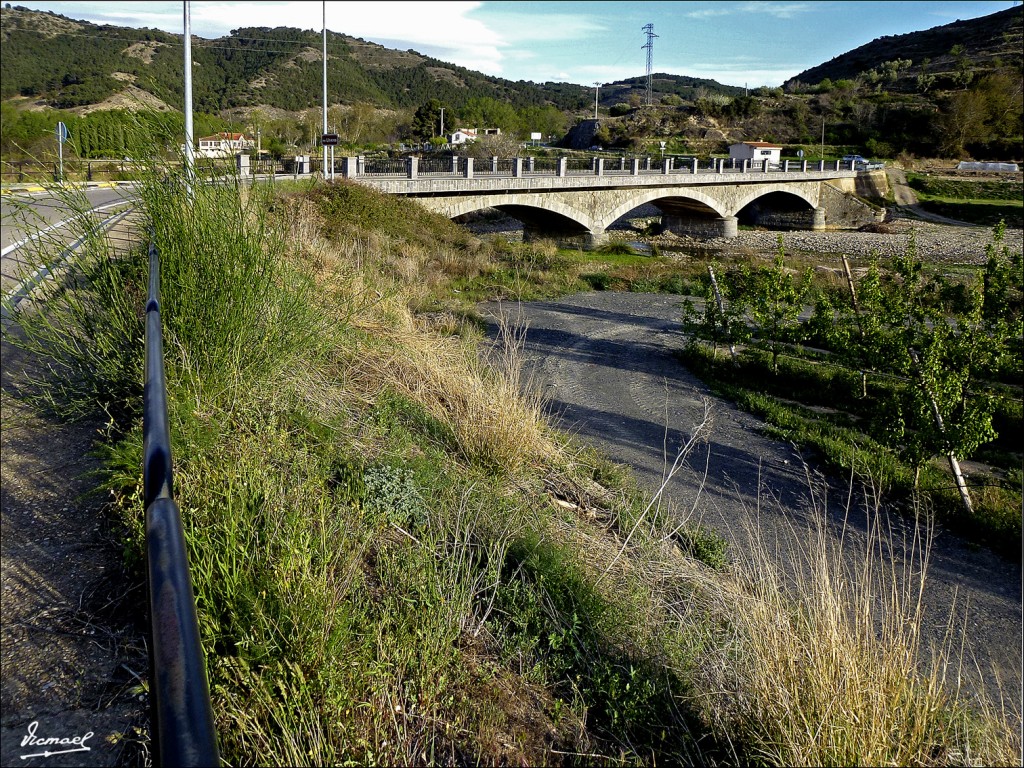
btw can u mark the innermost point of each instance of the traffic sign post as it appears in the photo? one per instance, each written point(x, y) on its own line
point(62, 136)
point(329, 140)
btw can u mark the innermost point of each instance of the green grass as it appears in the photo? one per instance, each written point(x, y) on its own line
point(976, 202)
point(985, 212)
point(947, 188)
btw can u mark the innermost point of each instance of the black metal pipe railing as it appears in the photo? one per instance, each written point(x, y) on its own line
point(183, 733)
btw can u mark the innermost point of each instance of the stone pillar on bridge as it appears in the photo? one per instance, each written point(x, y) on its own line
point(349, 167)
point(765, 166)
point(242, 162)
point(666, 165)
point(469, 168)
point(563, 165)
point(599, 166)
point(413, 167)
point(635, 166)
point(821, 165)
point(517, 166)
point(803, 166)
point(494, 165)
point(838, 164)
point(720, 164)
point(729, 227)
point(785, 166)
point(693, 165)
point(530, 163)
point(746, 166)
point(647, 163)
point(455, 164)
point(818, 221)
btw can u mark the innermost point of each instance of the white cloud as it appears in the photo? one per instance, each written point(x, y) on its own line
point(778, 10)
point(709, 13)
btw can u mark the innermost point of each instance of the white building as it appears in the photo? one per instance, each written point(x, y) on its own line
point(462, 135)
point(756, 152)
point(223, 145)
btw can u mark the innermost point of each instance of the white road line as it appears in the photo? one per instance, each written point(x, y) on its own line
point(10, 302)
point(58, 225)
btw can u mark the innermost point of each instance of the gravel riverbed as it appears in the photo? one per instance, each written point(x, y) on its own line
point(936, 243)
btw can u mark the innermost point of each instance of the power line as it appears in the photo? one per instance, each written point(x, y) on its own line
point(649, 31)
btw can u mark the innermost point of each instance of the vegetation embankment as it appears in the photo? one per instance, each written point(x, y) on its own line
point(397, 560)
point(978, 202)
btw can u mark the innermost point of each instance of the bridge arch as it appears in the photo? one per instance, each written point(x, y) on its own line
point(644, 196)
point(780, 209)
point(512, 203)
point(794, 190)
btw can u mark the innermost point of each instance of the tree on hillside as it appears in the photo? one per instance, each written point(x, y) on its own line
point(987, 113)
point(426, 121)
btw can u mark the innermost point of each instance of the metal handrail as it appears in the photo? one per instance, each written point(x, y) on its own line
point(183, 732)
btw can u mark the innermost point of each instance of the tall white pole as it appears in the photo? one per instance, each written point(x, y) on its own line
point(324, 146)
point(190, 156)
point(441, 134)
point(597, 89)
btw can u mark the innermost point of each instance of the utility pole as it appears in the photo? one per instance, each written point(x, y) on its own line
point(823, 138)
point(649, 31)
point(597, 88)
point(323, 146)
point(190, 152)
point(441, 134)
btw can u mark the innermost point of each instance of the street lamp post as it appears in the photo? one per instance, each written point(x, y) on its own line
point(597, 89)
point(322, 145)
point(190, 155)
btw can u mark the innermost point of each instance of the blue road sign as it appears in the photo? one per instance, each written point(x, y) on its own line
point(62, 132)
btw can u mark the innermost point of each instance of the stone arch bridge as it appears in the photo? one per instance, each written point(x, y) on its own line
point(557, 202)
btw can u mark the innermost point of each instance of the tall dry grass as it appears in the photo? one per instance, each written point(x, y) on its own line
point(371, 284)
point(823, 662)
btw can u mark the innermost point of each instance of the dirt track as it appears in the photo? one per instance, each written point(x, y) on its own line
point(605, 361)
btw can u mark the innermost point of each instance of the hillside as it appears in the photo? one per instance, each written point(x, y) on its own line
point(951, 91)
point(987, 43)
point(65, 63)
point(663, 84)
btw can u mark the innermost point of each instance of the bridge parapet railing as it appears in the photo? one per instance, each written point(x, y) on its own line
point(439, 165)
point(541, 166)
point(579, 166)
point(383, 166)
point(493, 166)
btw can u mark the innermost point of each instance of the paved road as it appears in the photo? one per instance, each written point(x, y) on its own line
point(22, 215)
point(606, 362)
point(72, 651)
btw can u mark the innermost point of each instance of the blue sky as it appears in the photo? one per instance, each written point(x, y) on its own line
point(763, 42)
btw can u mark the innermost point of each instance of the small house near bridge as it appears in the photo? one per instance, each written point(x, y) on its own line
point(464, 135)
point(223, 145)
point(756, 152)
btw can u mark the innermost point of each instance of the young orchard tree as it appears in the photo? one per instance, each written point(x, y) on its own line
point(948, 354)
point(720, 320)
point(775, 298)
